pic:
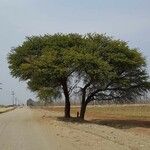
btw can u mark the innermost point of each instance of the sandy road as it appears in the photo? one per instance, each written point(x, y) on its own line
point(19, 130)
point(26, 129)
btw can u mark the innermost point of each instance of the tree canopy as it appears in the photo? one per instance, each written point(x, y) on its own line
point(95, 66)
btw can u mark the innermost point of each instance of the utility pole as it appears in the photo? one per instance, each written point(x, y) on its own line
point(16, 101)
point(0, 87)
point(13, 97)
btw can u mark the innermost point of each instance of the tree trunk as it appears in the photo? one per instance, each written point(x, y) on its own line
point(83, 109)
point(67, 100)
point(67, 109)
point(84, 101)
point(83, 105)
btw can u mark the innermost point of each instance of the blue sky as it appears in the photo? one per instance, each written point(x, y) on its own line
point(128, 20)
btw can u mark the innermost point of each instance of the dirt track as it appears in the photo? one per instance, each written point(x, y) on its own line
point(26, 129)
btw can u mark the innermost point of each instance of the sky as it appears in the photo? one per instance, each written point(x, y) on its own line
point(128, 20)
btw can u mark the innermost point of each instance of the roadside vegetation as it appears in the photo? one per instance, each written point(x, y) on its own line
point(90, 67)
point(4, 109)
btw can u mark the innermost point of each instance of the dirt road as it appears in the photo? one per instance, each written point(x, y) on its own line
point(26, 129)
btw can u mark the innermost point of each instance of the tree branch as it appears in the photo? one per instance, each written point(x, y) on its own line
point(84, 91)
point(97, 91)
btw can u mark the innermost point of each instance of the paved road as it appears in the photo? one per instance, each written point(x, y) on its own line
point(19, 130)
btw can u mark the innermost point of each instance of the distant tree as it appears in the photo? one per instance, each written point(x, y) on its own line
point(94, 66)
point(30, 102)
point(48, 95)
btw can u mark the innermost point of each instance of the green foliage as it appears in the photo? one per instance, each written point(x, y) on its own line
point(48, 95)
point(107, 69)
point(40, 61)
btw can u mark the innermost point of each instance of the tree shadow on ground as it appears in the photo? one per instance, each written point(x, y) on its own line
point(115, 123)
point(72, 120)
point(122, 124)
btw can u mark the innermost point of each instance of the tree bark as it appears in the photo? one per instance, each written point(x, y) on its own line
point(67, 108)
point(67, 100)
point(82, 110)
point(84, 102)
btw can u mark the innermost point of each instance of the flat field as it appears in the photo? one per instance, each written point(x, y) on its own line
point(118, 116)
point(127, 125)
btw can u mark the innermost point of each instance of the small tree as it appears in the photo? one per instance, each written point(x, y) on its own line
point(48, 95)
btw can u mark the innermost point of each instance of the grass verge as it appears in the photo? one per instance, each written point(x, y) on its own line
point(3, 109)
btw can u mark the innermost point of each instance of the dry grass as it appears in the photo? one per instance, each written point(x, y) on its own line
point(141, 112)
point(3, 109)
point(118, 116)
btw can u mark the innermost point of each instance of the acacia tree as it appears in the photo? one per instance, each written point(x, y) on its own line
point(102, 68)
point(40, 61)
point(111, 71)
